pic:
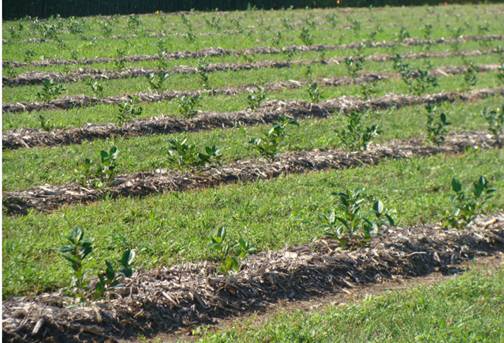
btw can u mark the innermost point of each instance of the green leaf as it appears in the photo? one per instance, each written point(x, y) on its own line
point(456, 185)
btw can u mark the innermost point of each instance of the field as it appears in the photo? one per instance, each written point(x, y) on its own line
point(223, 162)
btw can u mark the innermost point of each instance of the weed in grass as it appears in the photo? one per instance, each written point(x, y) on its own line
point(495, 120)
point(500, 74)
point(277, 39)
point(269, 145)
point(255, 97)
point(229, 253)
point(332, 20)
point(355, 135)
point(50, 90)
point(9, 71)
point(183, 154)
point(369, 89)
point(427, 31)
point(128, 110)
point(134, 22)
point(186, 105)
point(467, 206)
point(357, 218)
point(437, 124)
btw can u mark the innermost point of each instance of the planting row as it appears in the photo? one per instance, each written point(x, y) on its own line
point(100, 180)
point(123, 72)
point(212, 52)
point(270, 112)
point(165, 299)
point(355, 65)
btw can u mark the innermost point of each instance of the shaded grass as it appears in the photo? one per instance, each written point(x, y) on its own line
point(465, 309)
point(24, 168)
point(175, 227)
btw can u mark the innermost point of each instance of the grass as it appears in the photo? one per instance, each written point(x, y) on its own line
point(29, 167)
point(174, 227)
point(385, 23)
point(229, 78)
point(467, 308)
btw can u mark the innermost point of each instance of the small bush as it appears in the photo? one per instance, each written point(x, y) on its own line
point(437, 124)
point(186, 105)
point(97, 174)
point(467, 206)
point(183, 154)
point(229, 253)
point(356, 218)
point(256, 97)
point(355, 135)
point(128, 110)
point(50, 90)
point(269, 145)
point(495, 121)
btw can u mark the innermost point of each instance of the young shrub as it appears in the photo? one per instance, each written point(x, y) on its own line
point(183, 154)
point(500, 74)
point(96, 87)
point(111, 277)
point(156, 81)
point(186, 105)
point(75, 252)
point(495, 121)
point(354, 65)
point(421, 81)
point(229, 254)
point(50, 90)
point(437, 124)
point(29, 56)
point(45, 123)
point(356, 136)
point(314, 92)
point(357, 218)
point(471, 75)
point(98, 174)
point(119, 60)
point(403, 34)
point(203, 74)
point(306, 36)
point(134, 22)
point(269, 145)
point(255, 97)
point(128, 110)
point(467, 206)
point(277, 39)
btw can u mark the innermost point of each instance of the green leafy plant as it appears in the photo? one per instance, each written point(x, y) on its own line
point(229, 253)
point(306, 36)
point(156, 80)
point(96, 87)
point(471, 75)
point(255, 97)
point(112, 276)
point(500, 74)
point(45, 123)
point(356, 135)
point(403, 34)
point(467, 206)
point(203, 74)
point(186, 105)
point(437, 124)
point(354, 65)
point(183, 154)
point(134, 22)
point(50, 90)
point(75, 252)
point(269, 145)
point(97, 174)
point(119, 60)
point(128, 110)
point(314, 92)
point(29, 55)
point(356, 218)
point(495, 121)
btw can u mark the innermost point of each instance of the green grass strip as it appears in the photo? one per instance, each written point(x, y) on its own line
point(468, 308)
